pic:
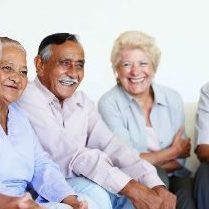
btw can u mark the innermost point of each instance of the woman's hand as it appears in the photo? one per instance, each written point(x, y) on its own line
point(182, 146)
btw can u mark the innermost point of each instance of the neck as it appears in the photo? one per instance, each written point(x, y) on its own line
point(146, 99)
point(3, 115)
point(145, 102)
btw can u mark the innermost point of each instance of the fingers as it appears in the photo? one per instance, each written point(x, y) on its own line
point(169, 199)
point(83, 205)
point(178, 136)
point(179, 132)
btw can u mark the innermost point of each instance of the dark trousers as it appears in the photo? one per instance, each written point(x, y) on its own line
point(201, 186)
point(182, 187)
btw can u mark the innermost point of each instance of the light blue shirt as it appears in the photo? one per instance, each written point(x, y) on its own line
point(202, 117)
point(124, 116)
point(23, 161)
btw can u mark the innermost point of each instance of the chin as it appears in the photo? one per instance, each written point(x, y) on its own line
point(65, 96)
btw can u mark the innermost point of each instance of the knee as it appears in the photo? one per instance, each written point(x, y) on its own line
point(99, 191)
point(97, 197)
point(202, 176)
point(95, 189)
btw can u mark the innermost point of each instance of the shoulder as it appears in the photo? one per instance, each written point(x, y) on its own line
point(17, 110)
point(31, 87)
point(205, 89)
point(168, 96)
point(81, 98)
point(114, 95)
point(167, 91)
point(31, 93)
point(19, 114)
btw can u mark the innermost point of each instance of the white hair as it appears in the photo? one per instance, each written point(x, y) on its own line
point(5, 41)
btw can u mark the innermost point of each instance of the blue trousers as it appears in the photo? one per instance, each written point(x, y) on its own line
point(97, 197)
point(201, 186)
point(55, 205)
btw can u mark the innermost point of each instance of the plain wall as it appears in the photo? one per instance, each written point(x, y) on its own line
point(180, 27)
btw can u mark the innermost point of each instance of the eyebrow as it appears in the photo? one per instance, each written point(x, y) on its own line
point(7, 62)
point(25, 67)
point(68, 58)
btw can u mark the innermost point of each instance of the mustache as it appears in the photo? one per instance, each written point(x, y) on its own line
point(68, 79)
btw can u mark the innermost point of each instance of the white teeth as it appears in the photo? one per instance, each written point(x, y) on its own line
point(67, 81)
point(137, 80)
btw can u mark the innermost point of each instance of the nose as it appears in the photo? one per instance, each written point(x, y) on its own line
point(72, 71)
point(135, 69)
point(15, 77)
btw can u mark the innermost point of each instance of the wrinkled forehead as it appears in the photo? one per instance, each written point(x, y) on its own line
point(68, 50)
point(12, 55)
point(10, 46)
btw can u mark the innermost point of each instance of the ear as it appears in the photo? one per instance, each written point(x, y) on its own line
point(39, 66)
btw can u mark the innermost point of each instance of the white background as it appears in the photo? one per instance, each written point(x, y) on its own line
point(181, 29)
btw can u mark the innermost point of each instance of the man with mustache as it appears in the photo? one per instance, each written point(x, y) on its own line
point(72, 131)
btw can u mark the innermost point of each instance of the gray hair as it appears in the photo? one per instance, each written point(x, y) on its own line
point(46, 53)
point(5, 41)
point(135, 40)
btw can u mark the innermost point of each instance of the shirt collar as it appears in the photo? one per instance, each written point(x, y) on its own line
point(159, 96)
point(50, 97)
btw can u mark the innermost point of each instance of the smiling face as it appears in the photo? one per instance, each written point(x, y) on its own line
point(135, 71)
point(13, 74)
point(64, 70)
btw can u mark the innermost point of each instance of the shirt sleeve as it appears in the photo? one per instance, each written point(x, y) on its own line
point(112, 116)
point(116, 163)
point(3, 189)
point(202, 117)
point(47, 179)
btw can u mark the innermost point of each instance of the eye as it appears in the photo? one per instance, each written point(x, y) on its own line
point(79, 65)
point(7, 68)
point(126, 64)
point(24, 73)
point(143, 64)
point(65, 62)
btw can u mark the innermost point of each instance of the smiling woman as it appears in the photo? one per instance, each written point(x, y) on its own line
point(13, 71)
point(148, 116)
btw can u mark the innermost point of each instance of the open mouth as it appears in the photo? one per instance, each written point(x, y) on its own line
point(137, 80)
point(67, 81)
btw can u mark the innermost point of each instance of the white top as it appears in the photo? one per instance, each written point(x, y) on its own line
point(153, 143)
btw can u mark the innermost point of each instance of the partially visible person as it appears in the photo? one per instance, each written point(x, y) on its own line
point(22, 159)
point(72, 131)
point(201, 187)
point(147, 116)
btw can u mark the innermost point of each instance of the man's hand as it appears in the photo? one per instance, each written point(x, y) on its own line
point(169, 199)
point(75, 203)
point(182, 146)
point(202, 152)
point(142, 197)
